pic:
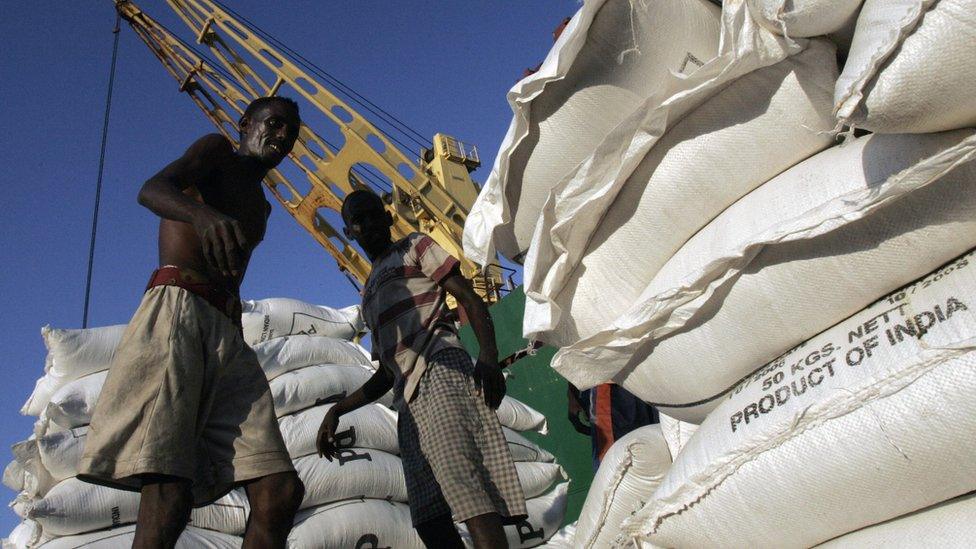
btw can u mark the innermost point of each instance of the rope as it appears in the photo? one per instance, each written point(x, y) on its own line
point(101, 168)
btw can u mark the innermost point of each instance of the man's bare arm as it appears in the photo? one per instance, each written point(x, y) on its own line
point(222, 237)
point(375, 387)
point(488, 375)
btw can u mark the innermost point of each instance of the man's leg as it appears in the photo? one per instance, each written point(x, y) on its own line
point(164, 509)
point(440, 532)
point(274, 501)
point(487, 531)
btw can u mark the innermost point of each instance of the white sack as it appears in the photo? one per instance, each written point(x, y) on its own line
point(73, 404)
point(664, 173)
point(518, 416)
point(948, 524)
point(804, 18)
point(70, 355)
point(356, 473)
point(524, 450)
point(265, 319)
point(30, 471)
point(283, 354)
point(74, 507)
point(545, 516)
point(355, 523)
point(867, 421)
point(910, 68)
point(809, 248)
point(14, 476)
point(117, 538)
point(676, 433)
point(314, 385)
point(630, 472)
point(25, 535)
point(611, 57)
point(563, 539)
point(537, 477)
point(61, 452)
point(373, 426)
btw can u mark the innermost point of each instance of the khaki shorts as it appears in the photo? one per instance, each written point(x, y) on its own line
point(185, 397)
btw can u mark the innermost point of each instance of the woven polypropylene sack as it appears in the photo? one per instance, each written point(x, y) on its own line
point(73, 404)
point(356, 472)
point(676, 433)
point(116, 538)
point(667, 171)
point(265, 319)
point(820, 241)
point(355, 523)
point(910, 67)
point(611, 57)
point(284, 354)
point(373, 426)
point(519, 416)
point(629, 473)
point(305, 387)
point(75, 507)
point(865, 422)
point(545, 516)
point(948, 524)
point(71, 354)
point(804, 18)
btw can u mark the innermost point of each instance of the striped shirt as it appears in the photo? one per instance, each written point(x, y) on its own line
point(405, 308)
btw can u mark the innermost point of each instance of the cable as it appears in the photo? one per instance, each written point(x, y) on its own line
point(101, 168)
point(390, 119)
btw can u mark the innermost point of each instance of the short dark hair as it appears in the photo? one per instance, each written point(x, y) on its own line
point(359, 194)
point(261, 101)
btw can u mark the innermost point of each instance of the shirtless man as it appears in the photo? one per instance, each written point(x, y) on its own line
point(186, 413)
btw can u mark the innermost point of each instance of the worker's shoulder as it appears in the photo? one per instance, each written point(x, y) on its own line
point(213, 145)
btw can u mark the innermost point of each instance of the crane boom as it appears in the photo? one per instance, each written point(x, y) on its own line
point(432, 196)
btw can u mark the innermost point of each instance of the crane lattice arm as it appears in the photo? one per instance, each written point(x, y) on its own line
point(432, 196)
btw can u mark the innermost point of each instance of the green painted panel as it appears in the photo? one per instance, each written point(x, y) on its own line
point(532, 381)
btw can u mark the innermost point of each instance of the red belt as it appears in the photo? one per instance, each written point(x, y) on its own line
point(219, 297)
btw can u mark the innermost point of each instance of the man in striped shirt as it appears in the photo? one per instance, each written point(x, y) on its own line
point(455, 458)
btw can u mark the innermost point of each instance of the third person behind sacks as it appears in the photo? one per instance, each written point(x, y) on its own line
point(455, 458)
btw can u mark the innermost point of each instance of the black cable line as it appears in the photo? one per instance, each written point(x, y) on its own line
point(356, 97)
point(101, 169)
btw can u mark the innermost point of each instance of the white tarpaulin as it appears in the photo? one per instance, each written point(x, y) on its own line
point(869, 420)
point(745, 116)
point(819, 241)
point(607, 61)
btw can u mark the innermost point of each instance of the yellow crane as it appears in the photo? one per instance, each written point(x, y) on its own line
point(431, 195)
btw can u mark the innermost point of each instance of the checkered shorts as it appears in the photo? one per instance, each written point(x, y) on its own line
point(455, 457)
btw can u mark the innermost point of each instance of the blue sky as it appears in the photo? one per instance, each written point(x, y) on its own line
point(439, 66)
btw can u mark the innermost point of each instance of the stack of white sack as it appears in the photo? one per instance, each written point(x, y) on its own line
point(76, 353)
point(821, 241)
point(307, 374)
point(611, 56)
point(866, 422)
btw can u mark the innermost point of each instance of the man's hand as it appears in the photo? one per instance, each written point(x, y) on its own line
point(223, 240)
point(490, 382)
point(325, 441)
